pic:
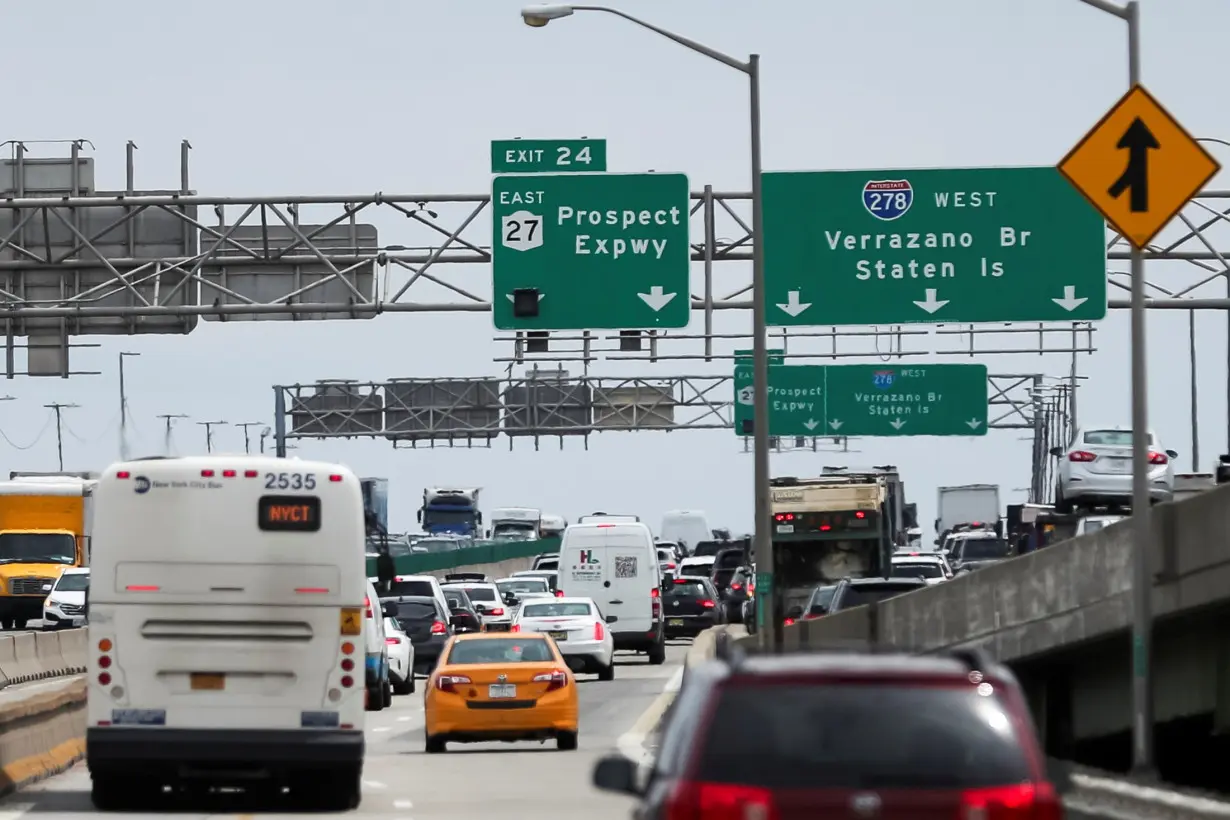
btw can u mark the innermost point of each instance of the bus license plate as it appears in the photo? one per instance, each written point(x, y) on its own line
point(208, 681)
point(502, 690)
point(558, 636)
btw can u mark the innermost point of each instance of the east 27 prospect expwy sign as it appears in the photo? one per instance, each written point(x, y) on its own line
point(868, 400)
point(946, 245)
point(606, 251)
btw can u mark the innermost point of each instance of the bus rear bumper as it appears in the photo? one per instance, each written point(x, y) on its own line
point(179, 751)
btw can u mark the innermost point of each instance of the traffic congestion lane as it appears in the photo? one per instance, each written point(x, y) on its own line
point(514, 781)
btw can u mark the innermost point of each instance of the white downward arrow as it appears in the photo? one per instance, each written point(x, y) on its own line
point(1069, 302)
point(931, 304)
point(810, 424)
point(793, 306)
point(974, 424)
point(656, 299)
point(836, 425)
point(512, 299)
point(897, 424)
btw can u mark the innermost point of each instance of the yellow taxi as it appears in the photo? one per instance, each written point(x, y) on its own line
point(500, 686)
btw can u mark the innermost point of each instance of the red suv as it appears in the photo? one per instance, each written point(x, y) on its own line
point(855, 736)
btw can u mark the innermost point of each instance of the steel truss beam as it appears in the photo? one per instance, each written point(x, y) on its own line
point(688, 402)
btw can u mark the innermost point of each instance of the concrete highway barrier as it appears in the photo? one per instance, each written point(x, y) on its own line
point(42, 731)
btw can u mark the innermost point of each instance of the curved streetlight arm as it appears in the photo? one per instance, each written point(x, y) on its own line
point(700, 48)
point(1214, 139)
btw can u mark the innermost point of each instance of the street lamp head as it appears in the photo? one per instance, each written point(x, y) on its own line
point(539, 16)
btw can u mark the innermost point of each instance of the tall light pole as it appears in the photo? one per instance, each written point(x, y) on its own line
point(1226, 143)
point(1142, 577)
point(124, 408)
point(539, 16)
point(247, 442)
point(59, 409)
point(209, 433)
point(170, 419)
point(265, 433)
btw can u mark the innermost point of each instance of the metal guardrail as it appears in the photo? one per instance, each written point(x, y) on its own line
point(1098, 797)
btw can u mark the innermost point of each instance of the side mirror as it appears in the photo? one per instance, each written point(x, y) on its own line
point(795, 613)
point(610, 619)
point(388, 609)
point(1172, 453)
point(615, 773)
point(512, 600)
point(1057, 452)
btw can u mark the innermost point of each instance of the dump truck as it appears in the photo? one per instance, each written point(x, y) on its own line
point(45, 524)
point(842, 524)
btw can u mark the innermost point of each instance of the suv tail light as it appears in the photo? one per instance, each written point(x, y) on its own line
point(439, 628)
point(1081, 455)
point(599, 632)
point(555, 679)
point(1029, 801)
point(1158, 458)
point(721, 801)
point(707, 604)
point(448, 683)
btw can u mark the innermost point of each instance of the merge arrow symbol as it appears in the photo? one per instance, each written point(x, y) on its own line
point(1138, 140)
point(1069, 302)
point(656, 299)
point(897, 424)
point(931, 304)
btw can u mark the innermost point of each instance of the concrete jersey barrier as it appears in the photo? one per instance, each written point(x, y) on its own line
point(31, 656)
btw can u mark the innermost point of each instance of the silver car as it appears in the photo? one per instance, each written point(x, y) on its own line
point(1096, 470)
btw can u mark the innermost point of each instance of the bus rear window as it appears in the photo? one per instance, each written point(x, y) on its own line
point(288, 513)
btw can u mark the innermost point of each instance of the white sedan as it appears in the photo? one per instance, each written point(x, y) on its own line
point(401, 658)
point(578, 629)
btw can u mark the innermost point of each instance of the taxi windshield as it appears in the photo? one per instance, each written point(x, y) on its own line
point(501, 650)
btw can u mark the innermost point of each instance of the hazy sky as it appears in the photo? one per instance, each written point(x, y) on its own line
point(315, 97)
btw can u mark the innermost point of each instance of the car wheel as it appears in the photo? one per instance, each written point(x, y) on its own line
point(434, 745)
point(375, 699)
point(607, 672)
point(657, 653)
point(404, 687)
point(1062, 505)
point(386, 695)
point(566, 741)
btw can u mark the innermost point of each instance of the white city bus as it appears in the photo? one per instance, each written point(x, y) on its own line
point(226, 629)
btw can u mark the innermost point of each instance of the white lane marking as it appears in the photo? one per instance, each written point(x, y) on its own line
point(16, 812)
point(631, 744)
point(383, 729)
point(402, 804)
point(372, 784)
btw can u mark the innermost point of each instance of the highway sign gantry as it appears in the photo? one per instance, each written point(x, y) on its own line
point(590, 251)
point(940, 245)
point(1138, 166)
point(868, 400)
point(548, 156)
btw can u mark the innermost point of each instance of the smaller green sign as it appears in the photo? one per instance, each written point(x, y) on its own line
point(777, 355)
point(547, 156)
point(867, 400)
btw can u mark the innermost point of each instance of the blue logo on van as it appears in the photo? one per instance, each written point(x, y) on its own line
point(141, 485)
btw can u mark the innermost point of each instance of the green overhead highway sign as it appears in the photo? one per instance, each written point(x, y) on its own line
point(868, 400)
point(777, 355)
point(548, 156)
point(942, 245)
point(582, 251)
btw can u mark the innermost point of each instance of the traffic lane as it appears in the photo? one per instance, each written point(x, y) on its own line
point(515, 781)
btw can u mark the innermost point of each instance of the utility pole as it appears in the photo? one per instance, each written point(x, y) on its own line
point(264, 435)
point(169, 419)
point(59, 408)
point(124, 409)
point(247, 444)
point(209, 433)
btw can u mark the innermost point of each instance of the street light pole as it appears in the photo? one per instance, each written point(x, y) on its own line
point(1142, 577)
point(762, 544)
point(1226, 143)
point(124, 409)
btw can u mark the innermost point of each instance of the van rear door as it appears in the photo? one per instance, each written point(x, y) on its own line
point(630, 563)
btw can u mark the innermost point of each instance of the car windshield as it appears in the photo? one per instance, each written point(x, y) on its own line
point(37, 547)
point(525, 585)
point(573, 610)
point(77, 582)
point(917, 569)
point(1111, 438)
point(501, 650)
point(979, 549)
point(862, 736)
point(1095, 524)
point(549, 577)
point(821, 600)
point(481, 593)
point(415, 611)
point(423, 588)
point(686, 589)
point(857, 595)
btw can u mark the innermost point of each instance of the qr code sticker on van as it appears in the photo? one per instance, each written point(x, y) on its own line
point(625, 566)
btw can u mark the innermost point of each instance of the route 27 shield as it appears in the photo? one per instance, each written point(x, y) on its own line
point(883, 379)
point(888, 199)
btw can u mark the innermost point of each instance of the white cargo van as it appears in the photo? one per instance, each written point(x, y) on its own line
point(688, 527)
point(616, 564)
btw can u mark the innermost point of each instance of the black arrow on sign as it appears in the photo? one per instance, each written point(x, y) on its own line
point(1137, 139)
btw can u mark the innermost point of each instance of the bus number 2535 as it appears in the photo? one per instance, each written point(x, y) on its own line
point(290, 481)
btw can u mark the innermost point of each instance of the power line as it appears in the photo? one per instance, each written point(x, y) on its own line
point(42, 432)
point(58, 408)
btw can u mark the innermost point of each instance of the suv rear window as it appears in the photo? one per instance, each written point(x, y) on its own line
point(862, 736)
point(866, 594)
point(1112, 438)
point(977, 549)
point(686, 589)
point(917, 569)
point(481, 593)
point(416, 611)
point(423, 588)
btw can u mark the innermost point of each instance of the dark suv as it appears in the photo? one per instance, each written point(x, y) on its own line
point(844, 735)
point(852, 592)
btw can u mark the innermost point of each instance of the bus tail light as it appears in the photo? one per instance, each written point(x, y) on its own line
point(335, 478)
point(352, 621)
point(228, 473)
point(104, 661)
point(123, 474)
point(250, 473)
point(207, 473)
